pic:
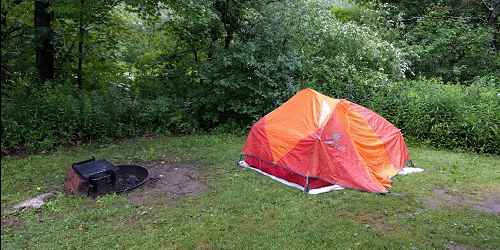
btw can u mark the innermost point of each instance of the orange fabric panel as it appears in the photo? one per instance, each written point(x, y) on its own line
point(296, 119)
point(345, 166)
point(390, 135)
point(369, 147)
point(330, 155)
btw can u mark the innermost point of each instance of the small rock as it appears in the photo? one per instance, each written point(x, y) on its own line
point(35, 202)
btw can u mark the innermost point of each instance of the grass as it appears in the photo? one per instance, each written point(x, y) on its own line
point(245, 210)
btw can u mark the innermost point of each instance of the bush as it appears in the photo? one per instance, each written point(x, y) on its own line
point(55, 116)
point(282, 45)
point(446, 116)
point(449, 116)
point(451, 48)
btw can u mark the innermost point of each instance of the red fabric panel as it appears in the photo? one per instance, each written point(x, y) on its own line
point(284, 173)
point(257, 142)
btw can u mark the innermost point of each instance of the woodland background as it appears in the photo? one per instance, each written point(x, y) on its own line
point(79, 71)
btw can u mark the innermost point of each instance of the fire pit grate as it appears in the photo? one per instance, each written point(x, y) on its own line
point(130, 177)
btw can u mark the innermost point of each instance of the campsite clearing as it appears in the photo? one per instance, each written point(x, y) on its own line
point(230, 208)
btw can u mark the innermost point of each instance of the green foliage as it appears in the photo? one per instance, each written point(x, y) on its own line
point(346, 11)
point(17, 48)
point(450, 116)
point(181, 66)
point(452, 48)
point(341, 51)
point(54, 116)
point(282, 45)
point(254, 75)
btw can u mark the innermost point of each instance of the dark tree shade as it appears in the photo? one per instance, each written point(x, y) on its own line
point(44, 43)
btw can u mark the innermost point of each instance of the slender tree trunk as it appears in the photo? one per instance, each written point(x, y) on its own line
point(80, 47)
point(44, 43)
point(228, 24)
point(493, 22)
point(494, 10)
point(228, 38)
point(213, 43)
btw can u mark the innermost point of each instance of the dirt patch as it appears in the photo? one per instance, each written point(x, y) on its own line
point(377, 222)
point(10, 223)
point(455, 246)
point(488, 202)
point(168, 182)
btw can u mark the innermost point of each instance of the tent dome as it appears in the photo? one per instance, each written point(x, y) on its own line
point(313, 142)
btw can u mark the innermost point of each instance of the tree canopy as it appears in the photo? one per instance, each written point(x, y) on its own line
point(224, 63)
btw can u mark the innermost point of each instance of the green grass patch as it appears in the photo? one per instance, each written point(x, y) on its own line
point(244, 209)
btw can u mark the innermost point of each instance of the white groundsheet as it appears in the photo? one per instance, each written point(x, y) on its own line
point(404, 171)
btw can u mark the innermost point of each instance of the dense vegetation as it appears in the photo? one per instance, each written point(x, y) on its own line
point(89, 70)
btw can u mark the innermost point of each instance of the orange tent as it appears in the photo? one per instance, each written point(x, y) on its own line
point(314, 142)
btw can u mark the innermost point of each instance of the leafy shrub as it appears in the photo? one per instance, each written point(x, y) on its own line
point(345, 11)
point(451, 47)
point(346, 58)
point(282, 45)
point(447, 116)
point(55, 116)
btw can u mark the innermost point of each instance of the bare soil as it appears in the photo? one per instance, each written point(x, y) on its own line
point(455, 246)
point(168, 182)
point(488, 202)
point(377, 222)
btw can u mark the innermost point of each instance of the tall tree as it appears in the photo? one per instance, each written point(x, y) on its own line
point(493, 7)
point(81, 32)
point(44, 40)
point(92, 22)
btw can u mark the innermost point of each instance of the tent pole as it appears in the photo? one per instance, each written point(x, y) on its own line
point(238, 162)
point(306, 189)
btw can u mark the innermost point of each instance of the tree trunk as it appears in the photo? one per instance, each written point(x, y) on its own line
point(494, 9)
point(44, 43)
point(493, 22)
point(228, 26)
point(80, 47)
point(228, 38)
point(213, 43)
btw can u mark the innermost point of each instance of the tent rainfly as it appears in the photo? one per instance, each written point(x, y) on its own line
point(318, 144)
